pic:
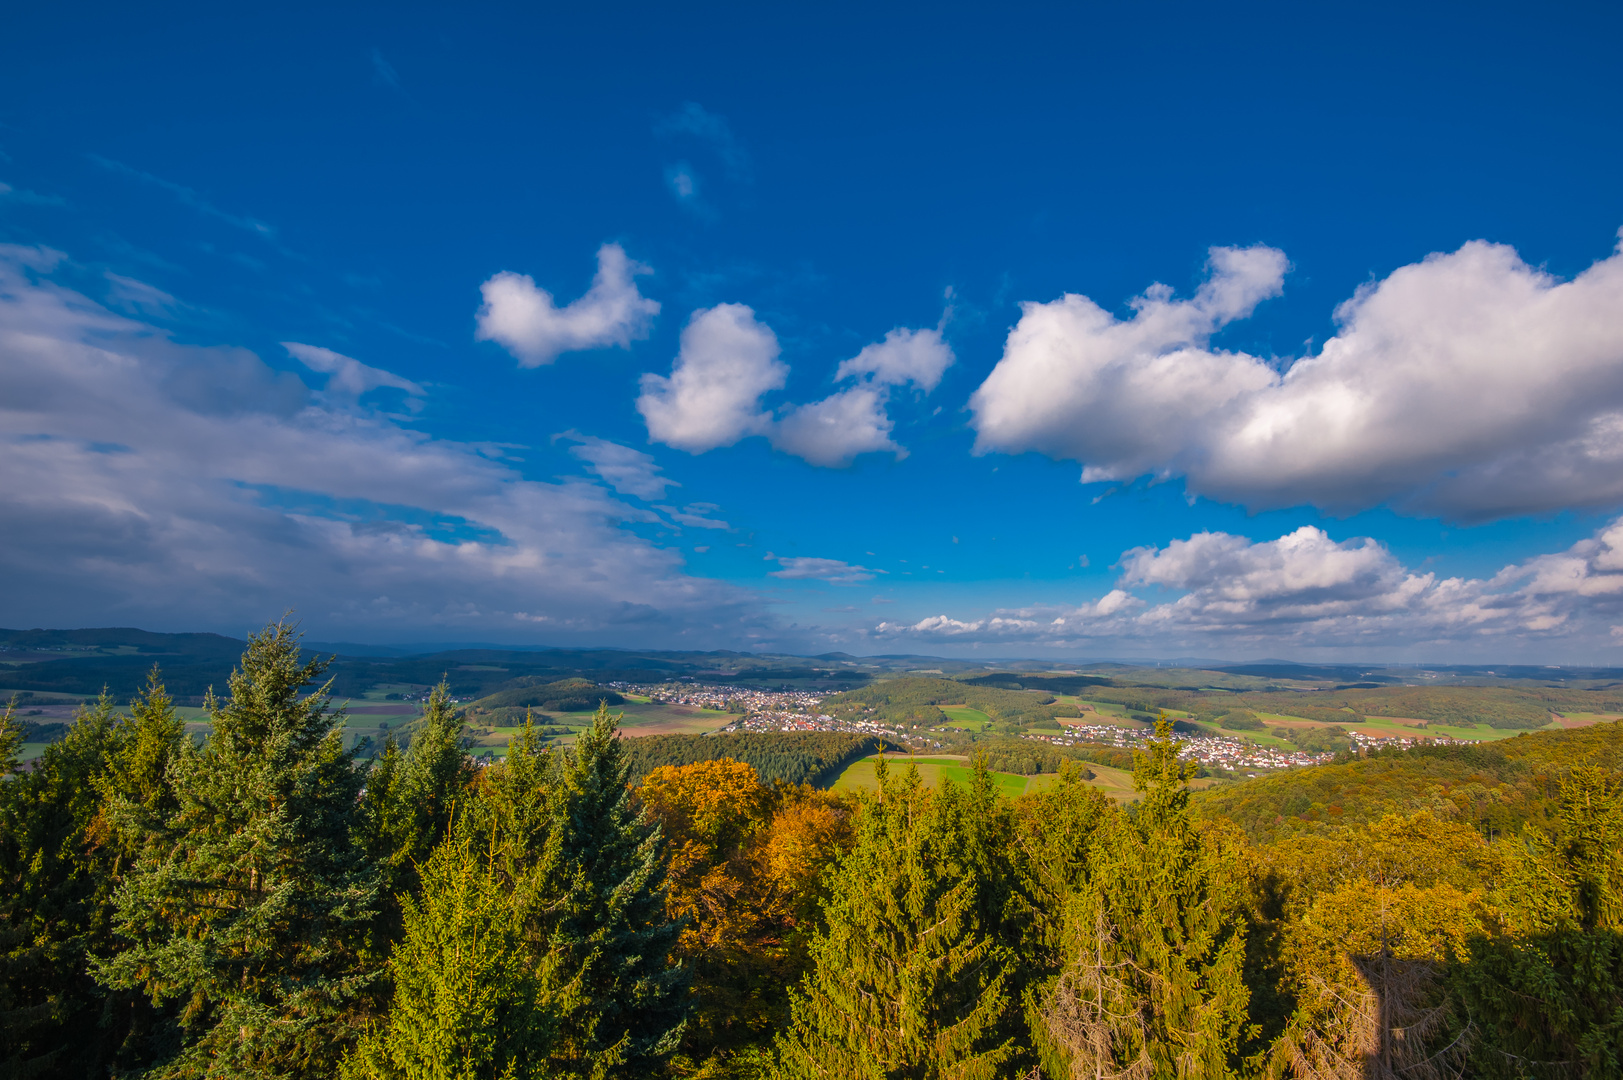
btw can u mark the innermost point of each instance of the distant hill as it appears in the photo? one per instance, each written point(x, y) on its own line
point(563, 695)
point(81, 662)
point(1497, 787)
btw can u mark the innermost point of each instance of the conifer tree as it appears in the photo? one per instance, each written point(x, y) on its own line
point(515, 800)
point(254, 914)
point(1547, 997)
point(138, 794)
point(908, 980)
point(473, 976)
point(411, 796)
point(11, 740)
point(1154, 981)
point(621, 1001)
point(469, 999)
point(56, 905)
point(1054, 832)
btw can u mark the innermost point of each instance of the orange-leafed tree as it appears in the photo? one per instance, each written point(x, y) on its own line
point(746, 870)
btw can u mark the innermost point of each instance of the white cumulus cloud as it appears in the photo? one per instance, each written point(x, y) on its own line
point(729, 362)
point(1307, 591)
point(833, 431)
point(712, 396)
point(526, 321)
point(905, 356)
point(1469, 384)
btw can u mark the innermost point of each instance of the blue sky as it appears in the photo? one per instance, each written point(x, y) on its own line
point(297, 309)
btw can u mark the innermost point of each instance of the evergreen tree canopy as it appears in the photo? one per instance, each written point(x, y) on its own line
point(256, 904)
point(137, 791)
point(56, 906)
point(909, 980)
point(254, 914)
point(1156, 943)
point(623, 1004)
point(1546, 998)
point(411, 796)
point(469, 1001)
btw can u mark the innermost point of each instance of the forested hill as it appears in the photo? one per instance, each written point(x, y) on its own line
point(1497, 787)
point(918, 701)
point(81, 663)
point(799, 757)
point(1441, 911)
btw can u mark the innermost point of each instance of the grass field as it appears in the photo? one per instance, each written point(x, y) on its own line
point(962, 716)
point(1116, 783)
point(1583, 719)
point(636, 718)
point(1387, 727)
point(647, 719)
point(860, 776)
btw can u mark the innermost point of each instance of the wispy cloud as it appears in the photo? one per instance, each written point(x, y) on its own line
point(237, 492)
point(29, 198)
point(187, 197)
point(628, 471)
point(139, 298)
point(833, 571)
point(683, 182)
point(348, 377)
point(696, 515)
point(383, 73)
point(695, 120)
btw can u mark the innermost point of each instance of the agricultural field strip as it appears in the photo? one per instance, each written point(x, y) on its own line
point(861, 776)
point(744, 708)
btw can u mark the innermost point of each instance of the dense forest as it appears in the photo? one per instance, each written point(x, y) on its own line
point(911, 701)
point(266, 904)
point(1493, 706)
point(791, 758)
point(84, 662)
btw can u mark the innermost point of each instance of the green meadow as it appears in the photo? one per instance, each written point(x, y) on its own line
point(861, 776)
point(962, 716)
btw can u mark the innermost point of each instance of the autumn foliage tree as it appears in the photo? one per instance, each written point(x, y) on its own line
point(746, 865)
point(254, 900)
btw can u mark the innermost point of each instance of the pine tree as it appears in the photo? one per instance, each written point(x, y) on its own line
point(908, 979)
point(469, 999)
point(473, 977)
point(411, 796)
point(622, 1003)
point(1547, 997)
point(254, 915)
point(1154, 980)
point(515, 802)
point(1055, 831)
point(138, 794)
point(56, 906)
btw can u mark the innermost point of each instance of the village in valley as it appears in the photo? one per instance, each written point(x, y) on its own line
point(796, 710)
